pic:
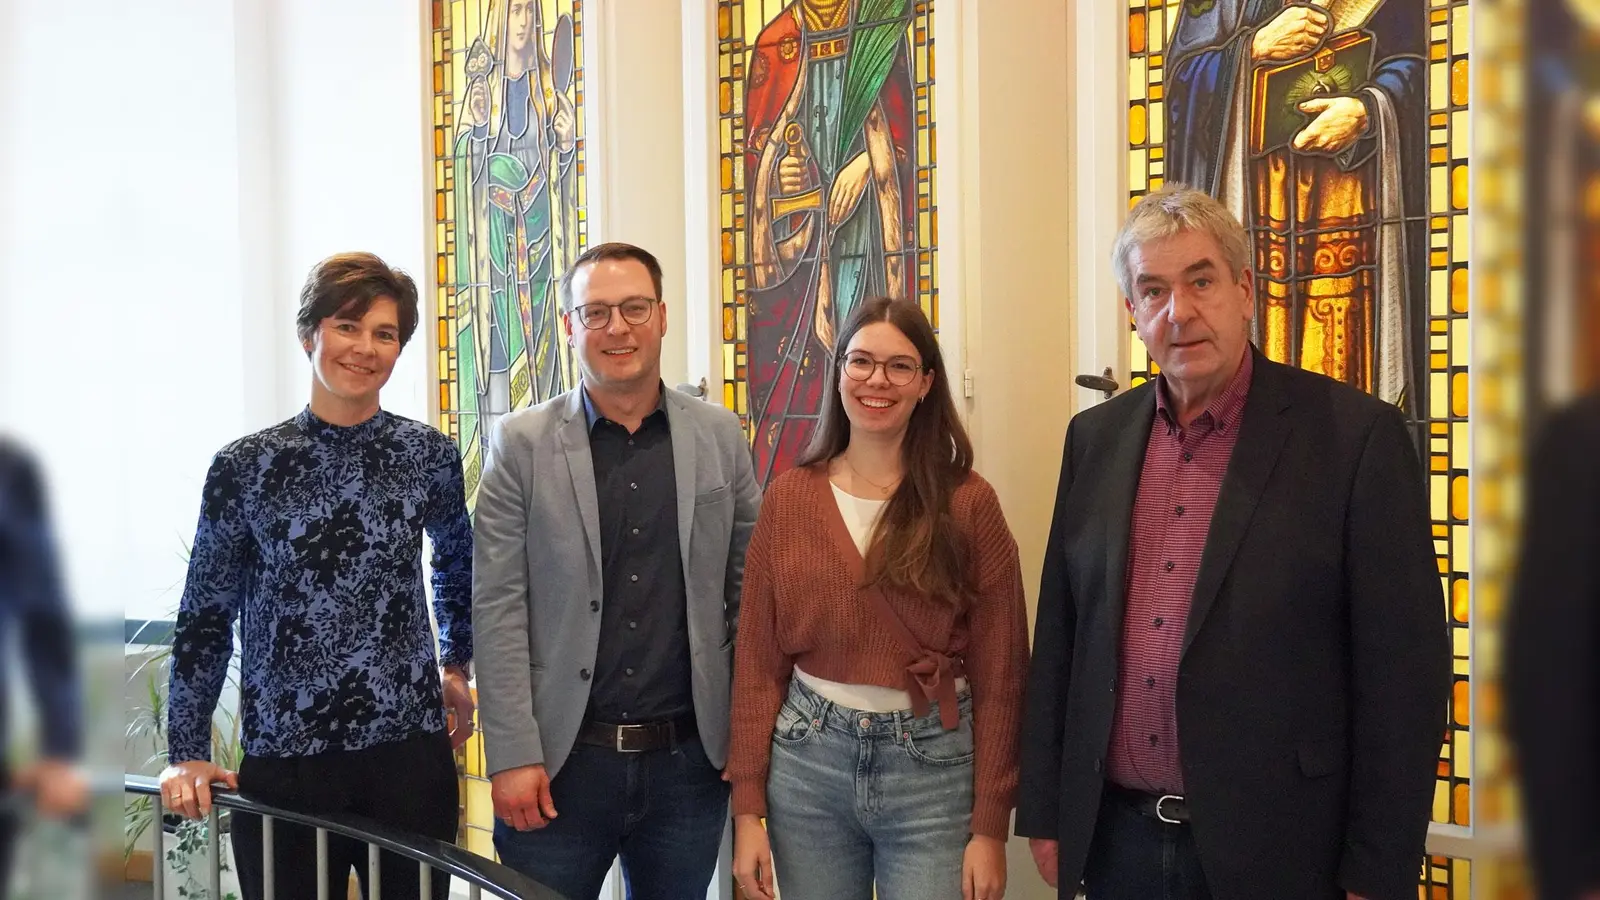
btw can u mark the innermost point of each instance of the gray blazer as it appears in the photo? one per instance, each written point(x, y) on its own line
point(536, 582)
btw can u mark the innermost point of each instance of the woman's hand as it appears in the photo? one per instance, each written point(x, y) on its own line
point(752, 858)
point(983, 869)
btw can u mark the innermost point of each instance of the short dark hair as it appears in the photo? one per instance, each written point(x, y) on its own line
point(346, 284)
point(601, 252)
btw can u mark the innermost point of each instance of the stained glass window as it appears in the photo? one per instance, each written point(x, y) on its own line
point(827, 193)
point(510, 198)
point(1331, 285)
point(509, 205)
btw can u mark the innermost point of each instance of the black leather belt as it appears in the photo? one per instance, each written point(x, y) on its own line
point(1169, 808)
point(638, 738)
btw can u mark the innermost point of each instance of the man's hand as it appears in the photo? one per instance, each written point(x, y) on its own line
point(1045, 858)
point(58, 787)
point(458, 703)
point(522, 797)
point(1339, 123)
point(186, 787)
point(1294, 32)
point(848, 187)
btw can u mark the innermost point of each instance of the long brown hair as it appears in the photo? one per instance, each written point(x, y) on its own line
point(916, 544)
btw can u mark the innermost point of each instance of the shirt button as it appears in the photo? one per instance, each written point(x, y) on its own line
point(594, 606)
point(866, 722)
point(1154, 740)
point(625, 715)
point(584, 674)
point(633, 486)
point(636, 531)
point(1149, 682)
point(630, 442)
point(633, 624)
point(1169, 564)
point(627, 671)
point(1188, 457)
point(633, 578)
point(1160, 621)
point(1179, 510)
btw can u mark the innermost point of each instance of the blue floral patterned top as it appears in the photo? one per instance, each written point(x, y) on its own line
point(311, 535)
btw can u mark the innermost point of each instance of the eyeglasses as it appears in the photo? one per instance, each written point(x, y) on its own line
point(635, 311)
point(900, 370)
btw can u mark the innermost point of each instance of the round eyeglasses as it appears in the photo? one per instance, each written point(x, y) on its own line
point(900, 370)
point(634, 310)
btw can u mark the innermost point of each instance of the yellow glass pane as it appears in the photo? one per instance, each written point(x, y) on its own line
point(1158, 122)
point(1138, 173)
point(1461, 545)
point(1136, 124)
point(1460, 31)
point(1438, 293)
point(1458, 187)
point(1438, 85)
point(1137, 79)
point(1460, 134)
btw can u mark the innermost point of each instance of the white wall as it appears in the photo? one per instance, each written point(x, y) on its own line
point(119, 269)
point(176, 169)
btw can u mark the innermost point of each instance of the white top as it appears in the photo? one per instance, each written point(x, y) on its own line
point(861, 517)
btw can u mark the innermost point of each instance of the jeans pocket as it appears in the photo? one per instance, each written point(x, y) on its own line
point(937, 747)
point(794, 727)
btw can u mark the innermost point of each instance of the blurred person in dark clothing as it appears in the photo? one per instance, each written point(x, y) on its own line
point(32, 605)
point(1553, 655)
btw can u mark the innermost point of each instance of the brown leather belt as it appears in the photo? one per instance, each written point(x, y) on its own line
point(1169, 808)
point(638, 738)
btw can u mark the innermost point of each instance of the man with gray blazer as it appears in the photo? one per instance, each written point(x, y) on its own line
point(609, 554)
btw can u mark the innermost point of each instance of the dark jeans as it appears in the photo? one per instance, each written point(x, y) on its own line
point(662, 811)
point(408, 785)
point(8, 833)
point(1136, 857)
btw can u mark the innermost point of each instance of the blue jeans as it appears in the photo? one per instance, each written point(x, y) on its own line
point(662, 811)
point(856, 798)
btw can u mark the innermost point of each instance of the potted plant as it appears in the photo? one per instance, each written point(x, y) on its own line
point(184, 842)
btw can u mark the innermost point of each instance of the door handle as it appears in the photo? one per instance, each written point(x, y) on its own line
point(1102, 382)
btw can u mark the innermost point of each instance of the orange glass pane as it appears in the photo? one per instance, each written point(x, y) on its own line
point(1458, 290)
point(1459, 493)
point(1459, 596)
point(1458, 82)
point(1136, 35)
point(1461, 703)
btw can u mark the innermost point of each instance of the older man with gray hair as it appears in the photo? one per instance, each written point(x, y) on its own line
point(1240, 661)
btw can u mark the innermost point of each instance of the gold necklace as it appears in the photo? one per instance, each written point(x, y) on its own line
point(857, 472)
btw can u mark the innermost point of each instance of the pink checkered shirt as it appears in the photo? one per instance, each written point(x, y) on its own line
point(1178, 488)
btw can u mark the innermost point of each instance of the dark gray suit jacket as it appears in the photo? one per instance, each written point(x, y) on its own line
point(1311, 690)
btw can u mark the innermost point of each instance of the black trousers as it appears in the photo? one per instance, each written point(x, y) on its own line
point(1135, 857)
point(407, 785)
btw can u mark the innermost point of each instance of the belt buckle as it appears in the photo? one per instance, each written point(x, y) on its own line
point(622, 731)
point(1163, 816)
